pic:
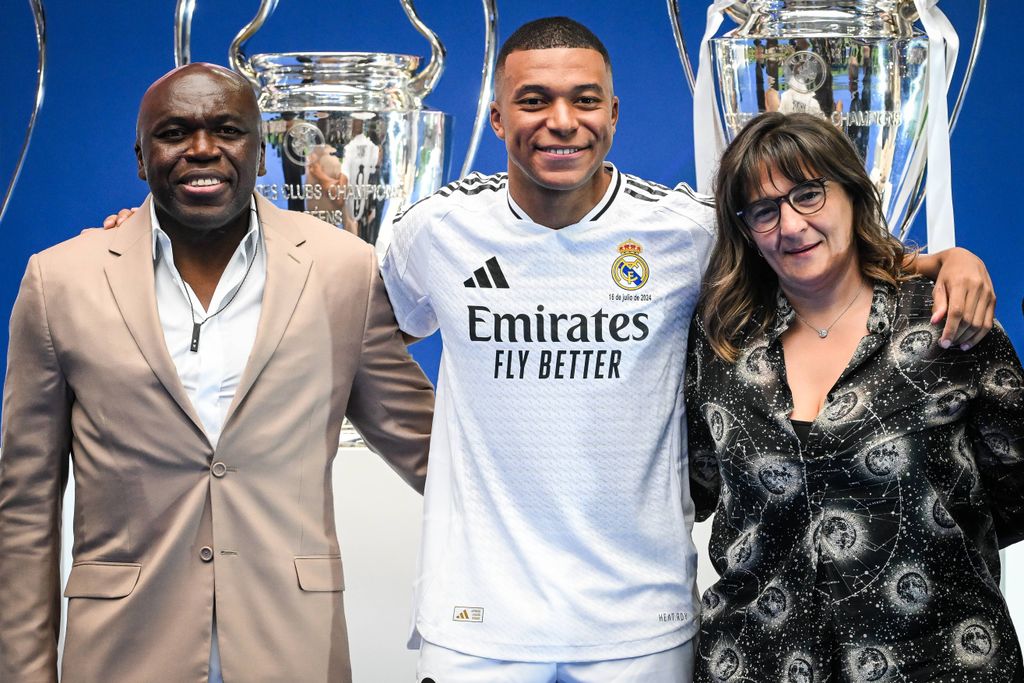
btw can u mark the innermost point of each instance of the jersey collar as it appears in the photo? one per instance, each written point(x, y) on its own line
point(595, 213)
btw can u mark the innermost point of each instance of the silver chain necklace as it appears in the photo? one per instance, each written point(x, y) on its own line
point(823, 331)
point(197, 325)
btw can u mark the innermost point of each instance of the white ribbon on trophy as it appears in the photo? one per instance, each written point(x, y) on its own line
point(709, 138)
point(943, 47)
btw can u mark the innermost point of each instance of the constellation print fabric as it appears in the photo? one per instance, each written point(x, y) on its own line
point(870, 553)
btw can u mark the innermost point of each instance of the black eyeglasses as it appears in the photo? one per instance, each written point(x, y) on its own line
point(805, 198)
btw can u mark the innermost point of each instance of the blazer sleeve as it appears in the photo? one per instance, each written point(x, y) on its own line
point(36, 434)
point(392, 402)
point(996, 426)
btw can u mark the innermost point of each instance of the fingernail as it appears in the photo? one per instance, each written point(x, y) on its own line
point(945, 343)
point(965, 347)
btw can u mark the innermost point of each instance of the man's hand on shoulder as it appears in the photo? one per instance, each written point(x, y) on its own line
point(116, 219)
point(963, 294)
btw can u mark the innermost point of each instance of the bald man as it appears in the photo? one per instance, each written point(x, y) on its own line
point(193, 368)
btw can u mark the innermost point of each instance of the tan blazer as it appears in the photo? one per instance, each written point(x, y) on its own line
point(166, 527)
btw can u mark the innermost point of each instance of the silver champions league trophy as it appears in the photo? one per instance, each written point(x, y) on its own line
point(347, 135)
point(39, 17)
point(862, 64)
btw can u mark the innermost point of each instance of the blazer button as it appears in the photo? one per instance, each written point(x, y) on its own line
point(206, 553)
point(219, 469)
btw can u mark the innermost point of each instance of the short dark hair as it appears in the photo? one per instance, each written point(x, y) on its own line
point(552, 32)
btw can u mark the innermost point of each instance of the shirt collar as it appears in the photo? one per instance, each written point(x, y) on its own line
point(162, 241)
point(880, 318)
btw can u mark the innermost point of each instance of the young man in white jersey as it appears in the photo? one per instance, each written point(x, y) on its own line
point(557, 524)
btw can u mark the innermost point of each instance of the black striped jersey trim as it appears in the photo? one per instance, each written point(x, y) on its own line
point(508, 200)
point(614, 194)
point(648, 191)
point(638, 195)
point(475, 184)
point(470, 185)
point(647, 186)
point(704, 199)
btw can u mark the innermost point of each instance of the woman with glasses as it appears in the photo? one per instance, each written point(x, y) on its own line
point(864, 477)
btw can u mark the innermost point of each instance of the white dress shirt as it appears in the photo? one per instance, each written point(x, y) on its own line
point(211, 374)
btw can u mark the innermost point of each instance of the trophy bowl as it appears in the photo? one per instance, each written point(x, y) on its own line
point(867, 73)
point(347, 138)
point(862, 64)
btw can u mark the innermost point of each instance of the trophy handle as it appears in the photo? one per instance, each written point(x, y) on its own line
point(684, 56)
point(236, 53)
point(972, 61)
point(39, 16)
point(183, 11)
point(979, 35)
point(424, 82)
point(486, 84)
point(739, 11)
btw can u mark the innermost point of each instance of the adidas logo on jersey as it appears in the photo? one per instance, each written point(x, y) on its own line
point(480, 278)
point(470, 614)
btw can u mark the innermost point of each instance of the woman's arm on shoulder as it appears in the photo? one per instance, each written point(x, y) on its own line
point(963, 294)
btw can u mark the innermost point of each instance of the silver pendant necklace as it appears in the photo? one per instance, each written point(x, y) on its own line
point(197, 325)
point(823, 331)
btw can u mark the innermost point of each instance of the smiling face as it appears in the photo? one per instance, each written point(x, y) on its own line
point(556, 112)
point(199, 147)
point(809, 252)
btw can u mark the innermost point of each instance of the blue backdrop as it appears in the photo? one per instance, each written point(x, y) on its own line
point(103, 55)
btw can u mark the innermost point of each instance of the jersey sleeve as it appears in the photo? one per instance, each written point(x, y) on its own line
point(705, 481)
point(405, 267)
point(700, 209)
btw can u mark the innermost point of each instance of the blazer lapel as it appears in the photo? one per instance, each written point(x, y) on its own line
point(131, 278)
point(287, 272)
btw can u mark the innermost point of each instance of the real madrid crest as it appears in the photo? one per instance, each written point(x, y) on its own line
point(630, 271)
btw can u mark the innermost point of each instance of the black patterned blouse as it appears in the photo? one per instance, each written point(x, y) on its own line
point(871, 552)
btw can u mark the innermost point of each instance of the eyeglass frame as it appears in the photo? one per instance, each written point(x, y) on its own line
point(786, 198)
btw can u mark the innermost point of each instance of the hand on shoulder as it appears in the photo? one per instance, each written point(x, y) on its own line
point(116, 219)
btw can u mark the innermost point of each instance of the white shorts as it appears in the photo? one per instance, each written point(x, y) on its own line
point(441, 665)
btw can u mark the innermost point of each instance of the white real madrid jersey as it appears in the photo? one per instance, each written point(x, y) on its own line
point(557, 515)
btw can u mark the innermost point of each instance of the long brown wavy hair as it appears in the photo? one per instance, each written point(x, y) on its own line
point(738, 282)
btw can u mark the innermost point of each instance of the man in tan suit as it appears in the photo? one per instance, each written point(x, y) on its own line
point(195, 364)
